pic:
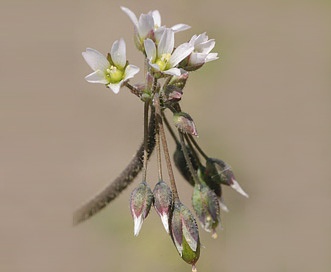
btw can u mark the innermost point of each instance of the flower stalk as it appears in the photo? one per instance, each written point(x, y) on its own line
point(165, 146)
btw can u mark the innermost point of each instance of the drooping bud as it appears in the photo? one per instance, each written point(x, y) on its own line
point(181, 164)
point(163, 202)
point(213, 185)
point(185, 234)
point(206, 206)
point(140, 203)
point(204, 177)
point(221, 173)
point(184, 122)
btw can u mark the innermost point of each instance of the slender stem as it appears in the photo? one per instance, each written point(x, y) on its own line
point(166, 82)
point(198, 147)
point(133, 89)
point(195, 155)
point(165, 146)
point(158, 151)
point(146, 108)
point(154, 87)
point(103, 198)
point(172, 133)
point(187, 158)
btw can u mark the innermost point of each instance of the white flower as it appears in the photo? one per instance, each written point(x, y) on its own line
point(149, 26)
point(112, 72)
point(201, 53)
point(163, 59)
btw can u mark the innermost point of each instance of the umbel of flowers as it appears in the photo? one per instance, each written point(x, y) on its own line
point(167, 68)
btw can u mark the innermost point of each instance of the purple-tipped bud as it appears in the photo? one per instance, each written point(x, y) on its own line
point(221, 173)
point(206, 206)
point(141, 201)
point(184, 122)
point(163, 202)
point(181, 164)
point(172, 94)
point(185, 234)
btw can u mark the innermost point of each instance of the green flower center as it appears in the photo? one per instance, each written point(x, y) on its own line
point(114, 75)
point(163, 62)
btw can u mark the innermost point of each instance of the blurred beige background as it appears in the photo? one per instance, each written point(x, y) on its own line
point(264, 107)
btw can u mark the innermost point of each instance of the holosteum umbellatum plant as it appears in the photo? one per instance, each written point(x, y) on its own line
point(166, 69)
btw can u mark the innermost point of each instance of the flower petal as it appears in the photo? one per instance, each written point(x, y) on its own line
point(235, 185)
point(131, 15)
point(95, 59)
point(157, 18)
point(145, 25)
point(180, 53)
point(115, 87)
point(118, 53)
point(193, 39)
point(96, 77)
point(167, 42)
point(130, 71)
point(205, 47)
point(223, 206)
point(173, 72)
point(150, 50)
point(155, 66)
point(211, 56)
point(197, 59)
point(201, 38)
point(138, 222)
point(165, 221)
point(158, 34)
point(180, 27)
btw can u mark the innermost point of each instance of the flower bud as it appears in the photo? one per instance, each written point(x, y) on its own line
point(184, 122)
point(163, 202)
point(201, 53)
point(181, 164)
point(185, 234)
point(206, 207)
point(172, 94)
point(179, 81)
point(221, 173)
point(215, 186)
point(140, 203)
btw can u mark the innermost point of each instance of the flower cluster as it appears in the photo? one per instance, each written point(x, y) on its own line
point(168, 68)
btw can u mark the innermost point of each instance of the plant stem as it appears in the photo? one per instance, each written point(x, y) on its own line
point(194, 153)
point(133, 89)
point(172, 133)
point(187, 158)
point(146, 108)
point(158, 152)
point(165, 146)
point(198, 147)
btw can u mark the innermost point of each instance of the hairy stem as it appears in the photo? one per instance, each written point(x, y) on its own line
point(187, 158)
point(133, 89)
point(146, 108)
point(109, 193)
point(165, 146)
point(172, 133)
point(198, 147)
point(193, 152)
point(158, 151)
